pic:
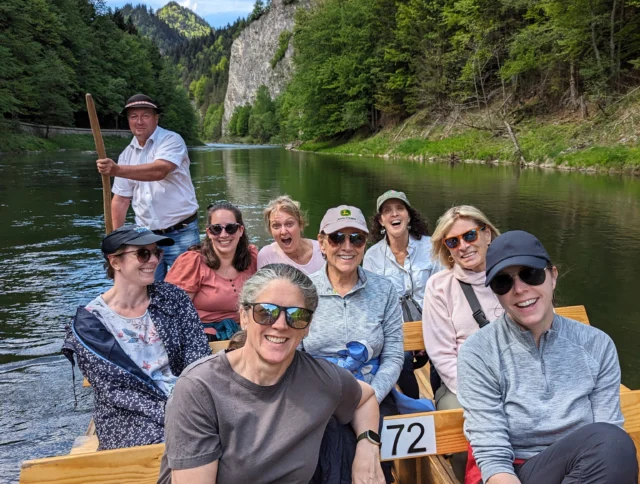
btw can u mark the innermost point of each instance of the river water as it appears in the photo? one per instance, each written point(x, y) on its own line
point(51, 224)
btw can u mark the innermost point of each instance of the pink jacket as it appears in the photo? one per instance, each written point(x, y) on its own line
point(447, 319)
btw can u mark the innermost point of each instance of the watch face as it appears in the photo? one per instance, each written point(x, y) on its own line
point(371, 435)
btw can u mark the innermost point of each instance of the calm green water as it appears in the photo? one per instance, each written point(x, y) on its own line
point(51, 224)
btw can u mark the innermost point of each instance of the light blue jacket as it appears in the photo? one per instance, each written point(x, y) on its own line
point(410, 278)
point(369, 312)
point(519, 399)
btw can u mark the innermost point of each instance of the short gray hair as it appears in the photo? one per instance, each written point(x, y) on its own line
point(272, 272)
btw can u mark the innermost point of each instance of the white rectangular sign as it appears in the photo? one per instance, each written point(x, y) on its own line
point(408, 437)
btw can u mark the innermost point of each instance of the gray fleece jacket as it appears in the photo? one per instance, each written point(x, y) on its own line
point(519, 399)
point(370, 314)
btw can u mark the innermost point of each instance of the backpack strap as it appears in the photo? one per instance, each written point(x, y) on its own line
point(472, 299)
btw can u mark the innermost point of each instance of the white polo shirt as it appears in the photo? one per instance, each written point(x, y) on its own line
point(159, 204)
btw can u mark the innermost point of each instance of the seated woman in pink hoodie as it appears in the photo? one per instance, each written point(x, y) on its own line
point(460, 241)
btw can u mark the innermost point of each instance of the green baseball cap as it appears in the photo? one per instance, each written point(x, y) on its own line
point(388, 195)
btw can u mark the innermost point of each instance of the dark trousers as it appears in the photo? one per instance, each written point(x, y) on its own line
point(598, 453)
point(388, 407)
point(338, 450)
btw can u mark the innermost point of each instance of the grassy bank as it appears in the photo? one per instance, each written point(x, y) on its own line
point(607, 142)
point(11, 142)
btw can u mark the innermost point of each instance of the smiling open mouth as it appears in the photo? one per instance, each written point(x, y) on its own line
point(275, 339)
point(395, 223)
point(527, 304)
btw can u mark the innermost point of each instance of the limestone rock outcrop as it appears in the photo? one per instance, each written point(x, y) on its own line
point(251, 54)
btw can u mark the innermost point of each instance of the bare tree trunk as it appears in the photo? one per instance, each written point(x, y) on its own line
point(612, 38)
point(514, 140)
point(572, 84)
point(593, 36)
point(401, 130)
point(427, 132)
point(504, 92)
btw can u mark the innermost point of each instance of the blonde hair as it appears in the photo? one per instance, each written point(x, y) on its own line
point(446, 221)
point(286, 204)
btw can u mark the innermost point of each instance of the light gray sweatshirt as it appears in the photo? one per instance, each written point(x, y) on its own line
point(370, 314)
point(519, 399)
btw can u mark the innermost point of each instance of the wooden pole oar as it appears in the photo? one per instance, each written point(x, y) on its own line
point(106, 181)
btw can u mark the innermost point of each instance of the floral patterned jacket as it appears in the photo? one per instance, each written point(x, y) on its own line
point(129, 407)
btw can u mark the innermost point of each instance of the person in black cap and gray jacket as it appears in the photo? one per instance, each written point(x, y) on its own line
point(540, 392)
point(133, 341)
point(152, 174)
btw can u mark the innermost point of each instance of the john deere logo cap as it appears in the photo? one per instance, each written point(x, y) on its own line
point(345, 213)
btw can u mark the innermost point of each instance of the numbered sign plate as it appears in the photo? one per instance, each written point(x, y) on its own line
point(408, 437)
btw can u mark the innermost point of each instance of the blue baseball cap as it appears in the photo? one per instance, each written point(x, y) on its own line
point(131, 235)
point(515, 248)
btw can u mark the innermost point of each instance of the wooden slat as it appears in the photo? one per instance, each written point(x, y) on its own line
point(139, 465)
point(579, 313)
point(84, 444)
point(218, 345)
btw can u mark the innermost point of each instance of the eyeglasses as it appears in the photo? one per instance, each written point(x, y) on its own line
point(469, 236)
point(503, 282)
point(266, 314)
point(357, 239)
point(144, 254)
point(216, 229)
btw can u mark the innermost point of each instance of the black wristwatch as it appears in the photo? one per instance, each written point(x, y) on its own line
point(371, 436)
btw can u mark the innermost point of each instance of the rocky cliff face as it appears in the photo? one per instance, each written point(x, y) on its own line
point(251, 54)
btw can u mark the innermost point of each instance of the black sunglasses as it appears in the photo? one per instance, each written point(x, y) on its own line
point(267, 314)
point(357, 239)
point(144, 254)
point(469, 236)
point(216, 229)
point(503, 282)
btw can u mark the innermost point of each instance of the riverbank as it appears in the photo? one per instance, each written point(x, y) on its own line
point(12, 142)
point(607, 142)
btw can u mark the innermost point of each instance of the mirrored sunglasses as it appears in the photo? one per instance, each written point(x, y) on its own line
point(216, 229)
point(266, 314)
point(356, 239)
point(469, 236)
point(503, 282)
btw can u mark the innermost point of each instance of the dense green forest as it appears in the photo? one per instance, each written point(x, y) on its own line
point(366, 64)
point(52, 52)
point(204, 66)
point(149, 25)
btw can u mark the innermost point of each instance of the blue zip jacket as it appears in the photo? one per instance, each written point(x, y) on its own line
point(129, 406)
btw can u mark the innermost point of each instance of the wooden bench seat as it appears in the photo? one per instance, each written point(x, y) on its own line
point(141, 464)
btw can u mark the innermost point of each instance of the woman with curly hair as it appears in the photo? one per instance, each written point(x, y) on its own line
point(213, 274)
point(402, 253)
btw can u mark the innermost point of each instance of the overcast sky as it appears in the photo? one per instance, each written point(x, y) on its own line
point(217, 12)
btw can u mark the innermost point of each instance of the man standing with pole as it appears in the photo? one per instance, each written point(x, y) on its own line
point(152, 174)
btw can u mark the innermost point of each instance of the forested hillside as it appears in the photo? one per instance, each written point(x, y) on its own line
point(183, 20)
point(149, 25)
point(53, 52)
point(370, 63)
point(204, 66)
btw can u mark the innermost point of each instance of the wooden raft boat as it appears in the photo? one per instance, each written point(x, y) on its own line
point(142, 464)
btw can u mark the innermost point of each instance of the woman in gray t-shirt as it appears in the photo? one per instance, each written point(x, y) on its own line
point(258, 413)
